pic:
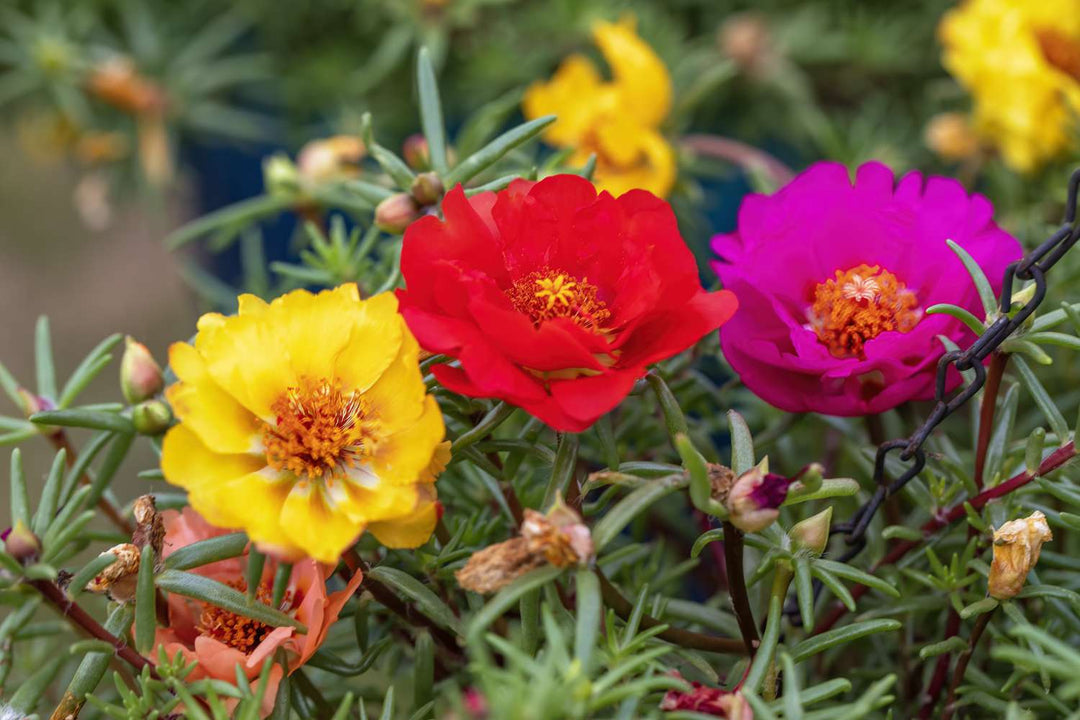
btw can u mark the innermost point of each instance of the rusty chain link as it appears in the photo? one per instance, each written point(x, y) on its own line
point(1032, 266)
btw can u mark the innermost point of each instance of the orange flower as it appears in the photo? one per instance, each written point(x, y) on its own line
point(219, 640)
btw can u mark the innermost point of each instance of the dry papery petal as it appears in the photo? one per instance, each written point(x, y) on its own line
point(558, 538)
point(118, 579)
point(1017, 544)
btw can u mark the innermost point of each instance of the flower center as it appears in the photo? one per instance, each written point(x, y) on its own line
point(1060, 50)
point(858, 305)
point(320, 430)
point(237, 631)
point(548, 294)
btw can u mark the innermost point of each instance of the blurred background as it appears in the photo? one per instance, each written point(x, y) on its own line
point(124, 119)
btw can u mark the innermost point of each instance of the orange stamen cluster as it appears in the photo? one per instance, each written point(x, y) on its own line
point(858, 305)
point(547, 294)
point(1060, 50)
point(320, 430)
point(237, 631)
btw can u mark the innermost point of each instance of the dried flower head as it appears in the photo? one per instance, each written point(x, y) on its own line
point(1016, 550)
point(558, 538)
point(118, 579)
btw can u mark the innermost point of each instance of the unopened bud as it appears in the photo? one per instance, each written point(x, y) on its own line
point(22, 544)
point(119, 578)
point(951, 137)
point(427, 188)
point(747, 40)
point(1016, 550)
point(33, 404)
point(140, 375)
point(812, 533)
point(280, 176)
point(396, 213)
point(151, 417)
point(755, 499)
point(331, 159)
point(416, 152)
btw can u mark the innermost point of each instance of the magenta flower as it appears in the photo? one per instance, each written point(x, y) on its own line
point(834, 279)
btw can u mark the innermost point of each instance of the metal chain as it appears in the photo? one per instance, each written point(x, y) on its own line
point(1032, 266)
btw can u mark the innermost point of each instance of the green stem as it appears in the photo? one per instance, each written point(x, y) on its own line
point(764, 664)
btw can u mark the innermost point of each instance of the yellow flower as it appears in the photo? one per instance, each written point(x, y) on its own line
point(306, 421)
point(1020, 59)
point(616, 119)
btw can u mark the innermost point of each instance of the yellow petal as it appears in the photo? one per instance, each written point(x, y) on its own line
point(654, 168)
point(411, 531)
point(374, 340)
point(233, 491)
point(640, 76)
point(365, 498)
point(397, 398)
point(314, 526)
point(248, 358)
point(314, 328)
point(215, 416)
point(576, 94)
point(403, 457)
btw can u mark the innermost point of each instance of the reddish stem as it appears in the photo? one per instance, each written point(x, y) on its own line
point(733, 554)
point(73, 612)
point(998, 361)
point(60, 441)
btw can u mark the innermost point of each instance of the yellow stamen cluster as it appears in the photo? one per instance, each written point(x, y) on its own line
point(858, 305)
point(547, 294)
point(237, 631)
point(320, 430)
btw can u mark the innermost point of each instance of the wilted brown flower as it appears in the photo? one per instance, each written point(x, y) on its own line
point(1016, 550)
point(559, 538)
point(119, 578)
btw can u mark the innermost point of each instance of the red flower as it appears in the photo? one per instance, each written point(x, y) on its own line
point(552, 297)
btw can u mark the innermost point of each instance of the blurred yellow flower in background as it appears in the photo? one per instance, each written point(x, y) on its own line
point(305, 421)
point(616, 119)
point(1020, 59)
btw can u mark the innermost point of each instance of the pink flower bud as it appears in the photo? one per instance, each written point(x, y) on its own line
point(396, 213)
point(416, 152)
point(22, 544)
point(140, 375)
point(755, 499)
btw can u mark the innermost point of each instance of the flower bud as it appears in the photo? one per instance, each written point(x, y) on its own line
point(416, 152)
point(33, 404)
point(1016, 550)
point(747, 39)
point(280, 176)
point(427, 188)
point(755, 499)
point(330, 159)
point(22, 544)
point(951, 137)
point(812, 533)
point(140, 375)
point(151, 417)
point(396, 213)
